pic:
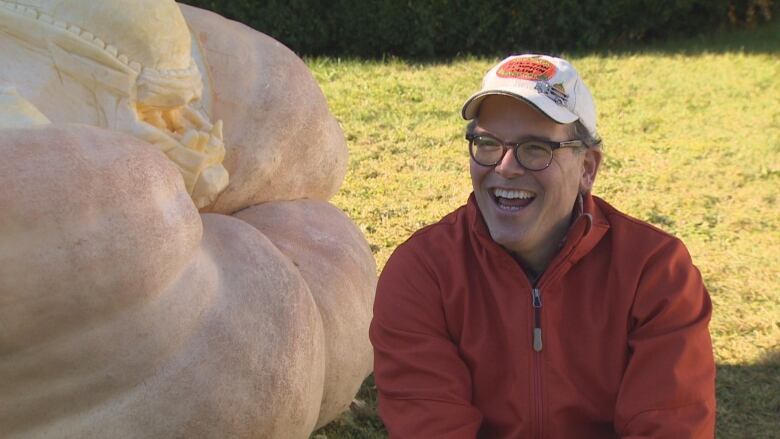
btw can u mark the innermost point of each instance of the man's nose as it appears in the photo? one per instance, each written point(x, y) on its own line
point(508, 167)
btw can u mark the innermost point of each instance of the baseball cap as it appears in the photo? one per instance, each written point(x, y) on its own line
point(550, 84)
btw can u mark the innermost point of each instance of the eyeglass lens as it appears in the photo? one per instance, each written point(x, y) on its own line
point(531, 155)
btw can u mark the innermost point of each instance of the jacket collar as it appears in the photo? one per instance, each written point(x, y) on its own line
point(587, 229)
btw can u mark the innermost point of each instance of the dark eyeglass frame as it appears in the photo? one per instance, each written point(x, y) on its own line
point(515, 147)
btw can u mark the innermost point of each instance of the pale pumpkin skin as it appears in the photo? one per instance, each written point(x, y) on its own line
point(125, 310)
point(126, 313)
point(282, 142)
point(333, 259)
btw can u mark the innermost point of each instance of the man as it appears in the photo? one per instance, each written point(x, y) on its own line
point(538, 310)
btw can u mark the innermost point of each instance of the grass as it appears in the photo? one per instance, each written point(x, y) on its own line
point(692, 140)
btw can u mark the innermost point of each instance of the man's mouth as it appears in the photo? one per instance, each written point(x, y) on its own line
point(512, 200)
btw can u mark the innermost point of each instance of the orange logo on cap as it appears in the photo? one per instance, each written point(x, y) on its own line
point(532, 69)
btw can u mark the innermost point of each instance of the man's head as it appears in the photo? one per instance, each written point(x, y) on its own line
point(526, 195)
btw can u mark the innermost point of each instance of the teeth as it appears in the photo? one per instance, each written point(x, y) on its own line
point(190, 139)
point(504, 193)
point(217, 130)
point(195, 117)
point(155, 136)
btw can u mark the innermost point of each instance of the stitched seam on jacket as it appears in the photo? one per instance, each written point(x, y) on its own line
point(621, 216)
point(427, 399)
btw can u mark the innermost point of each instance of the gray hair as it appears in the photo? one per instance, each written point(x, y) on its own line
point(579, 132)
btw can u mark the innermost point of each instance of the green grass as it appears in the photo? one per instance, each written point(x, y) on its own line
point(692, 140)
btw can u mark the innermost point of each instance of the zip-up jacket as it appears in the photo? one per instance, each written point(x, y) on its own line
point(610, 342)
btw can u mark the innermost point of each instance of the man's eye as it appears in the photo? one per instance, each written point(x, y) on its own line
point(487, 143)
point(534, 149)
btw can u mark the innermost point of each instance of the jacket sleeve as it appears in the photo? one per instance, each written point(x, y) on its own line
point(668, 389)
point(424, 386)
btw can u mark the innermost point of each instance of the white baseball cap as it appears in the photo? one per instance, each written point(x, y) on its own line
point(550, 84)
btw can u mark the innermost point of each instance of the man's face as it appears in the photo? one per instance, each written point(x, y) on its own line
point(528, 212)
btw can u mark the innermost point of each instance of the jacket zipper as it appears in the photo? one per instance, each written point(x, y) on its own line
point(536, 298)
point(536, 301)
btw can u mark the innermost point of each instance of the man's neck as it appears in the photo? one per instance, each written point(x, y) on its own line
point(536, 260)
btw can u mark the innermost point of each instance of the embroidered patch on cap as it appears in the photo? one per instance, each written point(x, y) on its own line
point(554, 92)
point(532, 69)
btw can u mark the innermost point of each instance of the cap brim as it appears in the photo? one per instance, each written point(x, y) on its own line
point(546, 106)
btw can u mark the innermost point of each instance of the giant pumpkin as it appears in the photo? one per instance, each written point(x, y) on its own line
point(169, 263)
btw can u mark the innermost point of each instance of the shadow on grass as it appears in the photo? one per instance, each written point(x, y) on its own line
point(361, 421)
point(764, 39)
point(748, 405)
point(749, 399)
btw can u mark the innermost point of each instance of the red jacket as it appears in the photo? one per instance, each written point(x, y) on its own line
point(621, 314)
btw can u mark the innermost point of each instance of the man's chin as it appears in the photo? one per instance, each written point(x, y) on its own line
point(510, 240)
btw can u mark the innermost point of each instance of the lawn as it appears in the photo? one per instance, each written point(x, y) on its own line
point(692, 140)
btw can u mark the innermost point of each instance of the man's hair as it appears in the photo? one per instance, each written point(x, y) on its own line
point(578, 132)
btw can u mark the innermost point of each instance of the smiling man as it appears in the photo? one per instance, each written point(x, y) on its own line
point(537, 310)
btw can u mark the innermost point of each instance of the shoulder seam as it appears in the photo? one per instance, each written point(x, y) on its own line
point(430, 227)
point(448, 220)
point(615, 214)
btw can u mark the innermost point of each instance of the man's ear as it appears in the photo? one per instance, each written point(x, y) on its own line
point(590, 167)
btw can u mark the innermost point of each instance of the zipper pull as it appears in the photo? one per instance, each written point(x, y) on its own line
point(537, 298)
point(538, 339)
point(537, 303)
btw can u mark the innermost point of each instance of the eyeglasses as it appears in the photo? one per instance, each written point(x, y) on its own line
point(533, 155)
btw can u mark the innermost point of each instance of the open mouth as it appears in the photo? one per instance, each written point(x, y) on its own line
point(511, 200)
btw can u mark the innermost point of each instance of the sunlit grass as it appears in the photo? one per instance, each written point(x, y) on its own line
point(692, 137)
